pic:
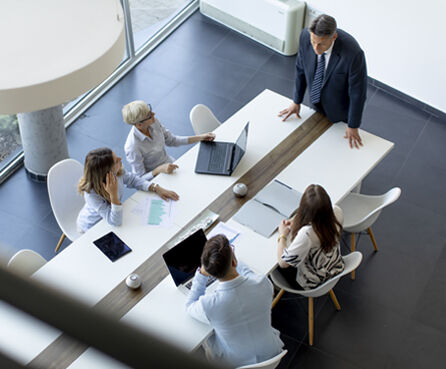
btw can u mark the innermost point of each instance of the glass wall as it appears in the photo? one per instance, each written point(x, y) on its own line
point(146, 20)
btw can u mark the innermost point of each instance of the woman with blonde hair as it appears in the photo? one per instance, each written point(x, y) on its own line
point(145, 147)
point(308, 249)
point(102, 187)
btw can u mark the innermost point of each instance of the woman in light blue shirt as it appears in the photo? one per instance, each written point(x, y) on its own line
point(102, 187)
point(145, 145)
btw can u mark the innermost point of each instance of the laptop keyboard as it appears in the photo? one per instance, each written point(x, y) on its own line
point(211, 279)
point(217, 159)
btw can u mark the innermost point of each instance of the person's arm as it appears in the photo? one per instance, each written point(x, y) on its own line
point(131, 180)
point(171, 140)
point(243, 269)
point(300, 83)
point(210, 136)
point(194, 303)
point(357, 89)
point(135, 159)
point(112, 213)
point(298, 250)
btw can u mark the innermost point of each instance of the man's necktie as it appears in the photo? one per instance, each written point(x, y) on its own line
point(315, 94)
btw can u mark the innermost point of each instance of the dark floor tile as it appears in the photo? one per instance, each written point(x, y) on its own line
point(409, 229)
point(388, 278)
point(423, 184)
point(362, 333)
point(103, 122)
point(431, 305)
point(290, 315)
point(420, 347)
point(389, 118)
point(292, 346)
point(220, 77)
point(24, 198)
point(280, 66)
point(431, 146)
point(261, 81)
point(308, 357)
point(79, 144)
point(42, 241)
point(11, 230)
point(173, 61)
point(140, 84)
point(200, 36)
point(242, 50)
point(229, 110)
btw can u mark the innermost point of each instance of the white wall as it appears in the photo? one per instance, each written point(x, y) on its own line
point(404, 42)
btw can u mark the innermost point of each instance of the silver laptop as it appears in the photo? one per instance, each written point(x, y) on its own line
point(183, 260)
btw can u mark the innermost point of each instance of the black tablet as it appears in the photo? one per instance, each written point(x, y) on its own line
point(112, 246)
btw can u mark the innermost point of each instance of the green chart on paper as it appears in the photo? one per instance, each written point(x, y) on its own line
point(156, 213)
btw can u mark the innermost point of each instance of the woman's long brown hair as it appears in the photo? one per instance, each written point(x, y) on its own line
point(98, 163)
point(315, 208)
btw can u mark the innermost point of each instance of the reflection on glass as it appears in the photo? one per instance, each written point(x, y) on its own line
point(148, 16)
point(10, 141)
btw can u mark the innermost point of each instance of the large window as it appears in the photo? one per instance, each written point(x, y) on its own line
point(151, 21)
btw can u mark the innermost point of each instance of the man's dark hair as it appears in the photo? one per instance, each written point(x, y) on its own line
point(217, 256)
point(323, 26)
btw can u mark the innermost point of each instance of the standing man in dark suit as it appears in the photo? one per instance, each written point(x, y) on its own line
point(332, 64)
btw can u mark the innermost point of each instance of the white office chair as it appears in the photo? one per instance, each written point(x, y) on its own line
point(267, 364)
point(351, 262)
point(26, 262)
point(202, 119)
point(66, 202)
point(361, 211)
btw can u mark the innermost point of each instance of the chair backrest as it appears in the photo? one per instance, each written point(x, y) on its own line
point(66, 202)
point(372, 206)
point(26, 262)
point(268, 364)
point(202, 119)
point(351, 262)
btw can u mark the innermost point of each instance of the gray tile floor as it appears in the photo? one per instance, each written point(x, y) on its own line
point(393, 314)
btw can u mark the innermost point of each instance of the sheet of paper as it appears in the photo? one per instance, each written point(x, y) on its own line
point(232, 234)
point(159, 212)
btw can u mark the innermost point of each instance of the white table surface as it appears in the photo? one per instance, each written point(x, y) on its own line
point(84, 272)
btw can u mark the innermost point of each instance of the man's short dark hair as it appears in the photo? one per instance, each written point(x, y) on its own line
point(323, 26)
point(217, 256)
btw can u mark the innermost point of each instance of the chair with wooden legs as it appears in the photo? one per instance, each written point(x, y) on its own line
point(66, 202)
point(26, 262)
point(351, 261)
point(361, 211)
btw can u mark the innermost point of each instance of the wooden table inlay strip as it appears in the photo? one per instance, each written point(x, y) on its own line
point(65, 350)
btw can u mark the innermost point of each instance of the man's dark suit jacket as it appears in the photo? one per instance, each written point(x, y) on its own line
point(345, 80)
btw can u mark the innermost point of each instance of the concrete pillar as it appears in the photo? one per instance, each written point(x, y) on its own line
point(43, 139)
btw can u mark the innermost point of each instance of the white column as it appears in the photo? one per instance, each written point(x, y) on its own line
point(43, 139)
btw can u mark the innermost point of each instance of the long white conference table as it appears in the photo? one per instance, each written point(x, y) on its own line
point(82, 271)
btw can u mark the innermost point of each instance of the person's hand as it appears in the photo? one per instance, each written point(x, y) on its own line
point(284, 227)
point(352, 135)
point(203, 271)
point(210, 136)
point(166, 194)
point(292, 109)
point(167, 168)
point(111, 186)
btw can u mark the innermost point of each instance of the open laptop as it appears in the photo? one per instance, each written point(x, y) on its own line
point(221, 157)
point(183, 260)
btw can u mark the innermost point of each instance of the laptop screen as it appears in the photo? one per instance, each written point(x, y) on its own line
point(184, 259)
point(240, 146)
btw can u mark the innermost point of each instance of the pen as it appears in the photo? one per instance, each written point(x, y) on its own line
point(283, 184)
point(234, 238)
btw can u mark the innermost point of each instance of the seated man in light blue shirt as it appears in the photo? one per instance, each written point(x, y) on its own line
point(239, 310)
